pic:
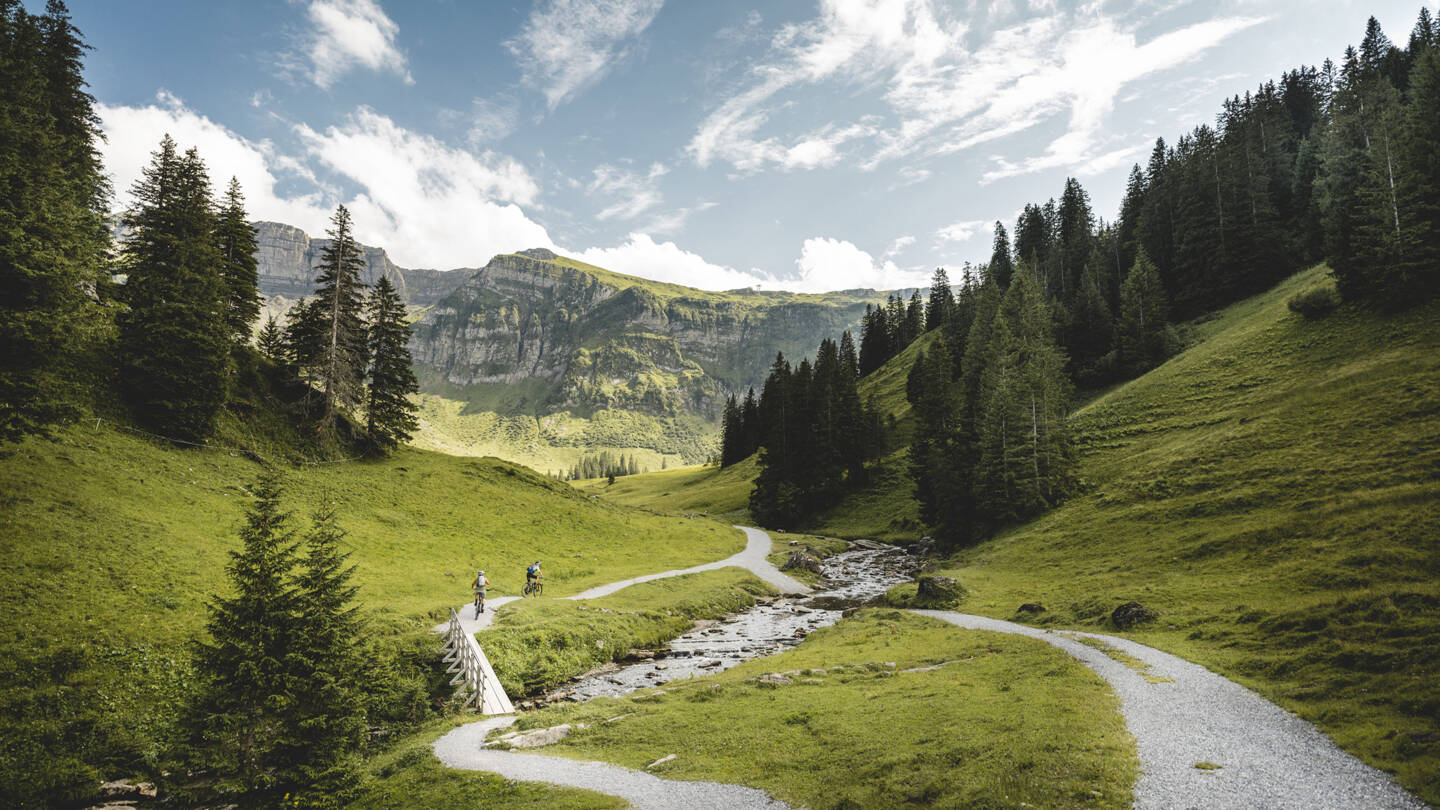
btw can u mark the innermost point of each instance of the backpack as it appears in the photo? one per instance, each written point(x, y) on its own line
point(532, 569)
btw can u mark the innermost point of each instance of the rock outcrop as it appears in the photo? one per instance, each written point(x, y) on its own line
point(287, 258)
point(587, 339)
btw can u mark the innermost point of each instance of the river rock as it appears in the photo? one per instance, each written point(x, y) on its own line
point(800, 561)
point(936, 591)
point(538, 737)
point(1130, 614)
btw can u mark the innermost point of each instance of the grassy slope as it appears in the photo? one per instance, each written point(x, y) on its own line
point(1272, 493)
point(859, 734)
point(109, 546)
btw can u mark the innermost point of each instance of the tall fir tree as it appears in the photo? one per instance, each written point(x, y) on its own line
point(732, 433)
point(236, 722)
point(337, 357)
point(52, 213)
point(390, 413)
point(941, 304)
point(271, 341)
point(238, 266)
point(1001, 266)
point(173, 336)
point(1143, 330)
point(1417, 276)
point(325, 665)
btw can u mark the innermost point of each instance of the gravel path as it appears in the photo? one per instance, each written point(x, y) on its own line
point(1269, 758)
point(1180, 715)
point(757, 548)
point(462, 749)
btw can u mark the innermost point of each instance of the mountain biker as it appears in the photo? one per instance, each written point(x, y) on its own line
point(478, 586)
point(532, 574)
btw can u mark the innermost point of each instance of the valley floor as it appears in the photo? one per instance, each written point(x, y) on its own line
point(1201, 740)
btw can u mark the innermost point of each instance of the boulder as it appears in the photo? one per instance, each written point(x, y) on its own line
point(774, 679)
point(1031, 607)
point(799, 560)
point(539, 737)
point(937, 592)
point(1130, 614)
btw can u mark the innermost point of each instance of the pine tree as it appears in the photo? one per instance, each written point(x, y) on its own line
point(1025, 460)
point(1417, 278)
point(1143, 333)
point(340, 362)
point(173, 337)
point(941, 304)
point(52, 217)
point(848, 358)
point(914, 324)
point(390, 412)
point(750, 419)
point(238, 266)
point(325, 665)
point(243, 697)
point(1001, 266)
point(271, 341)
point(732, 430)
point(1127, 236)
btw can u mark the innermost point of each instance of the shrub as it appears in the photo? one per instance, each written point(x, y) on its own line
point(1315, 304)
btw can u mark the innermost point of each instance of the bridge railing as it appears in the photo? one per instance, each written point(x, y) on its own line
point(474, 679)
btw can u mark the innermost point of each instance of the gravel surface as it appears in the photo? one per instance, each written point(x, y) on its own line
point(1269, 758)
point(1180, 715)
point(462, 749)
point(757, 548)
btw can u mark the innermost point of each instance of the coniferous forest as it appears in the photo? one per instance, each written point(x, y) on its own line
point(1336, 163)
point(164, 319)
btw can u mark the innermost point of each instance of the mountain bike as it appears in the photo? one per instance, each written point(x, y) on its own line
point(534, 588)
point(479, 605)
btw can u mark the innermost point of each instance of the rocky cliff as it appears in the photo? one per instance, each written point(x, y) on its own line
point(585, 339)
point(287, 259)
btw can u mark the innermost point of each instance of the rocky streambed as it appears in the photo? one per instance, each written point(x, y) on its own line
point(850, 579)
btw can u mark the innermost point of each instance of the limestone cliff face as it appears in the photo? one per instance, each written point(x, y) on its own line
point(586, 339)
point(287, 258)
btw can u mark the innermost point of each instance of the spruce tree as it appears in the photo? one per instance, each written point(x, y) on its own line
point(732, 431)
point(238, 266)
point(52, 217)
point(271, 341)
point(1417, 277)
point(325, 665)
point(173, 337)
point(390, 412)
point(1001, 266)
point(1143, 331)
point(236, 723)
point(941, 304)
point(848, 358)
point(337, 357)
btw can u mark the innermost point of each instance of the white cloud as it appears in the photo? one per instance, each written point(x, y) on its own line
point(961, 231)
point(492, 119)
point(942, 95)
point(834, 264)
point(567, 45)
point(428, 204)
point(133, 133)
point(631, 194)
point(433, 205)
point(349, 34)
point(900, 243)
point(641, 255)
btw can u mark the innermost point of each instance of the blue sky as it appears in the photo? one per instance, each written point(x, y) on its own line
point(786, 144)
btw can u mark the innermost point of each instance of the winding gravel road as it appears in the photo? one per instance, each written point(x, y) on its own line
point(1181, 715)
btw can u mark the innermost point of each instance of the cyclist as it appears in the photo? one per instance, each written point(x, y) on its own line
point(532, 576)
point(478, 586)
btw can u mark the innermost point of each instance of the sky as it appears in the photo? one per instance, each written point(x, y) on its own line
point(784, 144)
